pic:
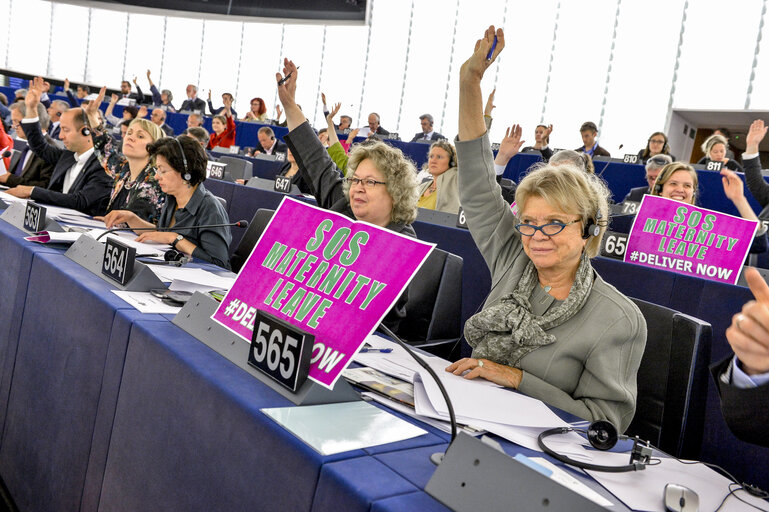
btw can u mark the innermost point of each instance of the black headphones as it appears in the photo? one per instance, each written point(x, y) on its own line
point(85, 131)
point(186, 176)
point(602, 436)
point(665, 147)
point(593, 226)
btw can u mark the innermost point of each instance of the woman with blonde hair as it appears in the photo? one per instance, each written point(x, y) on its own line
point(135, 187)
point(715, 148)
point(439, 191)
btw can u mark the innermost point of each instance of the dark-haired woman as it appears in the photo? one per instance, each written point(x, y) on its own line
point(656, 145)
point(181, 170)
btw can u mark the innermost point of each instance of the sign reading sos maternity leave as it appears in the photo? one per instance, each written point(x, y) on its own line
point(689, 240)
point(326, 274)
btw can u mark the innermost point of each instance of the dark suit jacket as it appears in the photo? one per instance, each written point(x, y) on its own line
point(636, 194)
point(168, 130)
point(91, 190)
point(196, 104)
point(746, 411)
point(36, 173)
point(54, 131)
point(435, 136)
point(280, 147)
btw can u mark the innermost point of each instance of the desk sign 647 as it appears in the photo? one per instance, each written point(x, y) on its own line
point(280, 350)
point(118, 263)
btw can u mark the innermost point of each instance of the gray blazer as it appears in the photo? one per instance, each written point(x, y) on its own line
point(448, 195)
point(590, 371)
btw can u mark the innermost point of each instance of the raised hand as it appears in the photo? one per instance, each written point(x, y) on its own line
point(34, 92)
point(323, 98)
point(46, 86)
point(477, 64)
point(334, 111)
point(510, 145)
point(113, 99)
point(733, 186)
point(287, 91)
point(278, 111)
point(135, 81)
point(756, 134)
point(749, 332)
point(66, 84)
point(92, 109)
point(142, 111)
point(209, 95)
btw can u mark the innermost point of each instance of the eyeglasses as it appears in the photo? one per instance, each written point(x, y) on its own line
point(368, 182)
point(657, 141)
point(550, 229)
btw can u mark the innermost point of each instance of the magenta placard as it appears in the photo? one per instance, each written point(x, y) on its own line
point(326, 274)
point(689, 240)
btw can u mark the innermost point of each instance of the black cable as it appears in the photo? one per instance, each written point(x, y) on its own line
point(741, 486)
point(432, 373)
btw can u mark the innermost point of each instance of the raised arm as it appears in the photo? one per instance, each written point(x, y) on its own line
point(756, 184)
point(35, 139)
point(332, 137)
point(734, 190)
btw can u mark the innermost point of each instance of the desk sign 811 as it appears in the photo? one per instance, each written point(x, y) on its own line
point(118, 263)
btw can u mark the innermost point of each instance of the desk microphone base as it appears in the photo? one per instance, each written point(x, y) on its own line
point(477, 476)
point(14, 215)
point(195, 319)
point(89, 254)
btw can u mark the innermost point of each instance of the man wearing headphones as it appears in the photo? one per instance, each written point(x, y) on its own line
point(653, 166)
point(78, 180)
point(268, 143)
point(373, 127)
point(427, 132)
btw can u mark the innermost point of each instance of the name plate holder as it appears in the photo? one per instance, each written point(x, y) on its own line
point(15, 214)
point(450, 220)
point(476, 475)
point(89, 254)
point(195, 319)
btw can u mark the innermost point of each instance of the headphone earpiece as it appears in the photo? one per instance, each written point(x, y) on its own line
point(186, 176)
point(85, 131)
point(592, 226)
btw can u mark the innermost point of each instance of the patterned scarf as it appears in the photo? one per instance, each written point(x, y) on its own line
point(508, 330)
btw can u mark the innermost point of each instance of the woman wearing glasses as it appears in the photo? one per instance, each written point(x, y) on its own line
point(551, 327)
point(656, 145)
point(380, 187)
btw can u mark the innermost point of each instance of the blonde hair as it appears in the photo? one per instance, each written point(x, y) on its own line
point(712, 141)
point(400, 176)
point(448, 148)
point(155, 131)
point(573, 191)
point(667, 172)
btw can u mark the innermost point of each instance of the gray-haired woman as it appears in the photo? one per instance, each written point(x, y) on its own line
point(551, 327)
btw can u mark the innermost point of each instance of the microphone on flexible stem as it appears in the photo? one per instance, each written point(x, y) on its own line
point(6, 154)
point(239, 224)
point(436, 458)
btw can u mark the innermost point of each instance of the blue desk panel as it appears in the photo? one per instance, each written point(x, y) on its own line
point(58, 380)
point(17, 256)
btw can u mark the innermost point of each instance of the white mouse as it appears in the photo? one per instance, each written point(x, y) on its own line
point(681, 499)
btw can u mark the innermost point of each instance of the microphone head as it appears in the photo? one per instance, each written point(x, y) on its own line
point(6, 154)
point(241, 224)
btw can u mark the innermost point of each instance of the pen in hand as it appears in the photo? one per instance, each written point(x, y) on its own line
point(285, 78)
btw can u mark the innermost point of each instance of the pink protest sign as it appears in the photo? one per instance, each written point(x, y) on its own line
point(325, 274)
point(689, 240)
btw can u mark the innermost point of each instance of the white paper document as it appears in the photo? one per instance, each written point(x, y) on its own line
point(341, 427)
point(145, 302)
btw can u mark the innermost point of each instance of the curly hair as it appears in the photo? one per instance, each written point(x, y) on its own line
point(574, 191)
point(194, 160)
point(400, 175)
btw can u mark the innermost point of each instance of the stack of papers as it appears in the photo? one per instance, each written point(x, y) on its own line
point(479, 403)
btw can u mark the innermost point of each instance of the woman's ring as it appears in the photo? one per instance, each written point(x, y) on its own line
point(740, 318)
point(480, 363)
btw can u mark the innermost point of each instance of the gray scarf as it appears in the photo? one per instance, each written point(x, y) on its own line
point(508, 330)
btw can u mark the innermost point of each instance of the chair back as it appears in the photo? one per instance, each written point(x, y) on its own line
point(239, 168)
point(672, 381)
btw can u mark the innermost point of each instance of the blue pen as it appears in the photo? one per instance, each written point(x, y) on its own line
point(493, 47)
point(380, 350)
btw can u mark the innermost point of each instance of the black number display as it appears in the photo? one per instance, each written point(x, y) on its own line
point(118, 263)
point(280, 350)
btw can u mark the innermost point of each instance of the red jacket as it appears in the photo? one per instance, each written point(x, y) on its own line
point(5, 142)
point(226, 139)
